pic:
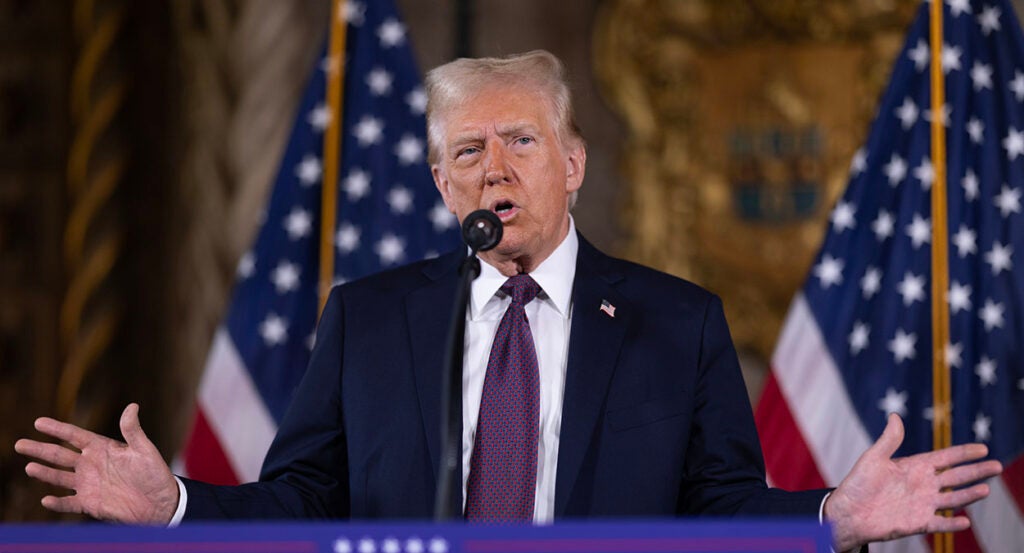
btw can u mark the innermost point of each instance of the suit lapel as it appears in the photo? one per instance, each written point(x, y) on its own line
point(594, 345)
point(428, 310)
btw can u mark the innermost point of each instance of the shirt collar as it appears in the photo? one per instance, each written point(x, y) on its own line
point(555, 276)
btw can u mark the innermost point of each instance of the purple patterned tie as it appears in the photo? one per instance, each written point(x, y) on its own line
point(503, 469)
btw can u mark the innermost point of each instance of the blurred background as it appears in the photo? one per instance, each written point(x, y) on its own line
point(138, 142)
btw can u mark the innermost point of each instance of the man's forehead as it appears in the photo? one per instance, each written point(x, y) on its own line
point(503, 110)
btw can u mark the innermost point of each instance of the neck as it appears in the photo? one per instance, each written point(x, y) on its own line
point(512, 264)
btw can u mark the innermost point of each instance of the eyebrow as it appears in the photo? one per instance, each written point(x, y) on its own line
point(504, 131)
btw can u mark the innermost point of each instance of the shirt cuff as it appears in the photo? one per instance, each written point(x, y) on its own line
point(179, 513)
point(821, 508)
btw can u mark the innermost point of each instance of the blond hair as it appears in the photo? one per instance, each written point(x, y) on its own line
point(455, 82)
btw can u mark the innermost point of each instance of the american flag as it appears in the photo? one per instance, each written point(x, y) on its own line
point(857, 342)
point(389, 213)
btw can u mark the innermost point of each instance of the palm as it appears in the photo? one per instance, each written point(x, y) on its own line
point(112, 480)
point(884, 498)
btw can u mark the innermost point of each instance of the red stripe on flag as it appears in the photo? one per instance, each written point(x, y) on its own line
point(786, 455)
point(204, 457)
point(1013, 476)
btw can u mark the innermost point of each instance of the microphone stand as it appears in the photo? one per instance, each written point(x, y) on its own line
point(451, 404)
point(481, 230)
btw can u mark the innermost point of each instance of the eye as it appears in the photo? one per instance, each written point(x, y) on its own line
point(468, 151)
point(523, 140)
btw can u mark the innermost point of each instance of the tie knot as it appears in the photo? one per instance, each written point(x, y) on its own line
point(522, 288)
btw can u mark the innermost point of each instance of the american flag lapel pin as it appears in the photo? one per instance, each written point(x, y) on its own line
point(608, 308)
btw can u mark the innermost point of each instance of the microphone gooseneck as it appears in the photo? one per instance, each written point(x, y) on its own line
point(481, 230)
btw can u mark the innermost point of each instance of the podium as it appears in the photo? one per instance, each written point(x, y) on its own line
point(684, 536)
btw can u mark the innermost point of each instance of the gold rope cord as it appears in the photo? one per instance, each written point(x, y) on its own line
point(332, 149)
point(941, 423)
point(89, 319)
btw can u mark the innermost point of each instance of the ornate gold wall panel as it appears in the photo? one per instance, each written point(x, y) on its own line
point(743, 118)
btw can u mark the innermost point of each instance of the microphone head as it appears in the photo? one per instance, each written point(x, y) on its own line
point(481, 230)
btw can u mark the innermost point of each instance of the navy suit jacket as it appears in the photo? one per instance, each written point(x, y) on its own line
point(655, 420)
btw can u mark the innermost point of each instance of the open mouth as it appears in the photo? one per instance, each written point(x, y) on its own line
point(504, 208)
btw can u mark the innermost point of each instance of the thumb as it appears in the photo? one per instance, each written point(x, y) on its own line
point(891, 438)
point(131, 429)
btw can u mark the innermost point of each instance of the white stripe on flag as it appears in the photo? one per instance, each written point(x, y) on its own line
point(810, 382)
point(998, 524)
point(235, 410)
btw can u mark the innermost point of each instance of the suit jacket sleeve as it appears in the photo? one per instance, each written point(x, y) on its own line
point(724, 468)
point(305, 471)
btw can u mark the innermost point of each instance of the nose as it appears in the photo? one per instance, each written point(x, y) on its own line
point(496, 170)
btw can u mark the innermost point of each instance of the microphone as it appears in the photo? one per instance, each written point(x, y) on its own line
point(481, 230)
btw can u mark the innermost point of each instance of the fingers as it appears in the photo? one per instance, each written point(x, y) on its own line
point(960, 498)
point(891, 437)
point(70, 433)
point(951, 524)
point(131, 428)
point(69, 504)
point(965, 474)
point(952, 456)
point(52, 476)
point(51, 453)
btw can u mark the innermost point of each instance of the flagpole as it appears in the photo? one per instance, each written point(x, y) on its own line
point(331, 154)
point(941, 401)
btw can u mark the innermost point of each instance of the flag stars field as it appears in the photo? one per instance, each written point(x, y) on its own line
point(907, 113)
point(986, 371)
point(953, 353)
point(309, 170)
point(920, 54)
point(871, 282)
point(859, 337)
point(911, 288)
point(380, 81)
point(966, 241)
point(976, 130)
point(298, 223)
point(999, 258)
point(390, 249)
point(992, 315)
point(988, 19)
point(285, 277)
point(895, 170)
point(925, 173)
point(843, 216)
point(356, 184)
point(883, 225)
point(274, 330)
point(400, 200)
point(982, 428)
point(441, 218)
point(893, 402)
point(1017, 86)
point(970, 184)
point(368, 131)
point(391, 33)
point(1008, 201)
point(919, 231)
point(903, 346)
point(829, 271)
point(959, 297)
point(347, 238)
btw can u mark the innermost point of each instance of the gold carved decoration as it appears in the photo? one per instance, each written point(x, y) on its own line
point(743, 116)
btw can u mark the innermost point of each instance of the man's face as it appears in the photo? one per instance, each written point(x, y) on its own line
point(501, 151)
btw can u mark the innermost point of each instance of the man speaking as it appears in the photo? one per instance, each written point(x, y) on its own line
point(593, 387)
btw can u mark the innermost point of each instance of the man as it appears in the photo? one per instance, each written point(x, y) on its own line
point(593, 386)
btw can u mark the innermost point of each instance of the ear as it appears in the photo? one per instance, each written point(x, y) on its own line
point(441, 182)
point(575, 167)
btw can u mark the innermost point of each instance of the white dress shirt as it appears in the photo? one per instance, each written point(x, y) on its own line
point(550, 315)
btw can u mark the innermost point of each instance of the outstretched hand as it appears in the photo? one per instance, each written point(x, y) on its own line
point(116, 481)
point(884, 498)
